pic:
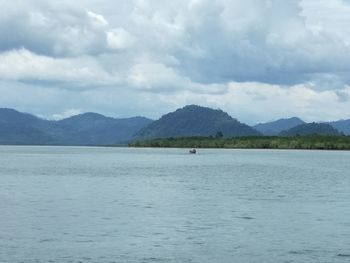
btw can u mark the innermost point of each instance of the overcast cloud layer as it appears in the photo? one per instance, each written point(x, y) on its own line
point(259, 60)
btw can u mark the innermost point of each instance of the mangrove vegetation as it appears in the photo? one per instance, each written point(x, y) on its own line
point(316, 142)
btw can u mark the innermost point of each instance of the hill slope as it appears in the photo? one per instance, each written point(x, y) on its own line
point(21, 128)
point(310, 129)
point(275, 127)
point(194, 120)
point(342, 125)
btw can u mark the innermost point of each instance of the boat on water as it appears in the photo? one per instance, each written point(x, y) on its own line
point(193, 151)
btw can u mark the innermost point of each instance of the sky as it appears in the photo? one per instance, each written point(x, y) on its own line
point(258, 60)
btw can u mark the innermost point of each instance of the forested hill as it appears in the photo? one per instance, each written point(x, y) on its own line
point(195, 120)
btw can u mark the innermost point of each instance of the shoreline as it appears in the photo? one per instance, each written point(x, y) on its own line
point(275, 149)
point(311, 142)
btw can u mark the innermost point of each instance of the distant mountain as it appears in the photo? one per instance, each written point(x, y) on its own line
point(13, 116)
point(83, 129)
point(22, 134)
point(96, 129)
point(342, 125)
point(21, 128)
point(195, 120)
point(275, 127)
point(311, 128)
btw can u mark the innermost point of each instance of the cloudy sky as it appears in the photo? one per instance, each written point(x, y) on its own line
point(259, 60)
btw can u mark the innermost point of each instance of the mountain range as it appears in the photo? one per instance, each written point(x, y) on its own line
point(17, 128)
point(82, 129)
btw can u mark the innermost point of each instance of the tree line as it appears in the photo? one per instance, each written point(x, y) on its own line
point(310, 142)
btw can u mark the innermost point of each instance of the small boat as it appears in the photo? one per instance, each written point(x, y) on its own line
point(193, 151)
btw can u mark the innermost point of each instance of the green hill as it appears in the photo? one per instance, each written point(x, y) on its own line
point(195, 120)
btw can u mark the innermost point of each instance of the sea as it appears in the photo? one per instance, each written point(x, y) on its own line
point(105, 204)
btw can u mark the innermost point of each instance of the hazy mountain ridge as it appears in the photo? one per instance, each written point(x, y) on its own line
point(310, 129)
point(97, 129)
point(275, 127)
point(21, 128)
point(341, 125)
point(83, 129)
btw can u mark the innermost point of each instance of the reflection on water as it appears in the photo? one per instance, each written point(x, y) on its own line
point(75, 204)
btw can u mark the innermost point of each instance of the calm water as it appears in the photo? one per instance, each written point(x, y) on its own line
point(71, 204)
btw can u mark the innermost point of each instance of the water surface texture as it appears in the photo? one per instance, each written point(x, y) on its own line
point(82, 204)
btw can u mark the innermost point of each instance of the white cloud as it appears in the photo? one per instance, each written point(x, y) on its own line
point(158, 78)
point(23, 65)
point(119, 39)
point(328, 17)
point(97, 20)
point(256, 102)
point(149, 75)
point(66, 114)
point(248, 102)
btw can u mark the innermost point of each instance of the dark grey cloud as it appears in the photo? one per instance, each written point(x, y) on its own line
point(217, 41)
point(264, 41)
point(50, 29)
